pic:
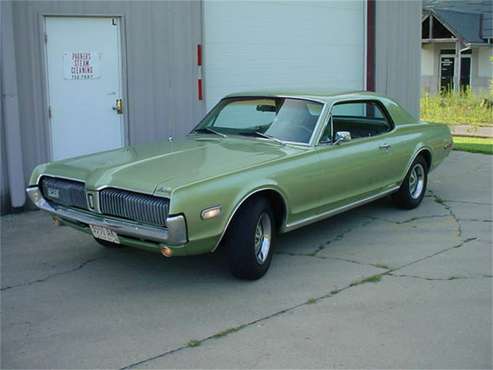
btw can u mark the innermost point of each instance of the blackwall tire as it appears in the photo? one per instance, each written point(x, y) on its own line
point(250, 239)
point(413, 188)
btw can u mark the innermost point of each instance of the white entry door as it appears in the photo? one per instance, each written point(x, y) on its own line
point(84, 85)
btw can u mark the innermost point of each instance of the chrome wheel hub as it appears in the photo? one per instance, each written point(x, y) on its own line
point(263, 237)
point(416, 181)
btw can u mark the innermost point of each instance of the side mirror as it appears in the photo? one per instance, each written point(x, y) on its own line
point(342, 136)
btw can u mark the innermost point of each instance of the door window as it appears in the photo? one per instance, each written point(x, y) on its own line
point(465, 72)
point(447, 73)
point(360, 119)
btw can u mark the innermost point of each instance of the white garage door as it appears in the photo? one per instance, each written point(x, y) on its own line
point(252, 45)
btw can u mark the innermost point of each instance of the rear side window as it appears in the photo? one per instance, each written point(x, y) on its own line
point(360, 119)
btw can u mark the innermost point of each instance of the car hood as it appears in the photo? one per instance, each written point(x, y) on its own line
point(165, 166)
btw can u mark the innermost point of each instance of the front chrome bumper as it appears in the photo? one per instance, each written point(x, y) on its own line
point(174, 234)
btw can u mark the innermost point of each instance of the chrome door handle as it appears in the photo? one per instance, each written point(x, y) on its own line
point(385, 146)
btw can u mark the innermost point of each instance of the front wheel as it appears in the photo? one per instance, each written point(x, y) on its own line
point(413, 188)
point(250, 239)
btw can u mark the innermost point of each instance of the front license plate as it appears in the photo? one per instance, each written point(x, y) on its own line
point(104, 233)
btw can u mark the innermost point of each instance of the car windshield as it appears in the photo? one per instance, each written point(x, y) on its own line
point(277, 119)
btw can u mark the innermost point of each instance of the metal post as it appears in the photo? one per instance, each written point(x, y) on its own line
point(457, 66)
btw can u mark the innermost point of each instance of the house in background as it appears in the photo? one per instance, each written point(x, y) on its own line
point(453, 30)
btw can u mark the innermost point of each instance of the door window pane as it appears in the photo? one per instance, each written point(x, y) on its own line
point(360, 119)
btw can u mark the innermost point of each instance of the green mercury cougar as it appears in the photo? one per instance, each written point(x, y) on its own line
point(257, 165)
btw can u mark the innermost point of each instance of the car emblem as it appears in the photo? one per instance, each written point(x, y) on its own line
point(54, 193)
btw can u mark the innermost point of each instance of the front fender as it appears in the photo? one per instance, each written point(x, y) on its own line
point(229, 193)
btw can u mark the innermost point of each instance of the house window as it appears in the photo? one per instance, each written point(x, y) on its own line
point(439, 31)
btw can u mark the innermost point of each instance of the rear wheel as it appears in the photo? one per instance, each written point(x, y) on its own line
point(250, 239)
point(413, 188)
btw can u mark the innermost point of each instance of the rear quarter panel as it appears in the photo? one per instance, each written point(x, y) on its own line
point(412, 136)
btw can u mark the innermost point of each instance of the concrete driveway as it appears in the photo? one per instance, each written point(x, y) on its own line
point(375, 287)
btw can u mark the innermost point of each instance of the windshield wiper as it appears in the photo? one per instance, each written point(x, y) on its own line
point(209, 130)
point(269, 137)
point(263, 135)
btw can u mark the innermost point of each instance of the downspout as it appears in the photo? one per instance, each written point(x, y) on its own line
point(10, 112)
point(370, 45)
point(457, 65)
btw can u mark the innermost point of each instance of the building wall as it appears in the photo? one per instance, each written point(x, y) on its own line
point(4, 192)
point(427, 60)
point(481, 67)
point(397, 51)
point(160, 40)
point(428, 70)
point(485, 68)
point(293, 45)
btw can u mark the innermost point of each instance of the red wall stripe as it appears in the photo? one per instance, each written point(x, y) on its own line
point(200, 93)
point(199, 54)
point(199, 88)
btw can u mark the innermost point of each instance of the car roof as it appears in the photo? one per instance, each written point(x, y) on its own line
point(318, 95)
point(396, 112)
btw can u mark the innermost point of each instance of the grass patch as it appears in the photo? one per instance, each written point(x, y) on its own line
point(194, 343)
point(227, 332)
point(311, 301)
point(370, 279)
point(455, 278)
point(452, 108)
point(473, 144)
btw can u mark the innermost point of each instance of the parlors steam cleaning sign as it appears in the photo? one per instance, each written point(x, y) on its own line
point(81, 65)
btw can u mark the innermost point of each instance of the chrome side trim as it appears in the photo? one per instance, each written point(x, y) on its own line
point(243, 201)
point(333, 212)
point(175, 233)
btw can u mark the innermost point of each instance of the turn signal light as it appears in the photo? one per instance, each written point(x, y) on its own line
point(166, 251)
point(209, 213)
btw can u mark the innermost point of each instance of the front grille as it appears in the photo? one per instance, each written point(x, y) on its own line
point(134, 206)
point(64, 192)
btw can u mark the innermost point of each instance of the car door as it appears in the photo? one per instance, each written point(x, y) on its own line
point(357, 168)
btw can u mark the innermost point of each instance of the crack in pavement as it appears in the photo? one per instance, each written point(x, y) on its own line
point(461, 244)
point(467, 202)
point(40, 280)
point(450, 278)
point(409, 220)
point(373, 278)
point(475, 220)
point(443, 203)
point(338, 237)
point(377, 265)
